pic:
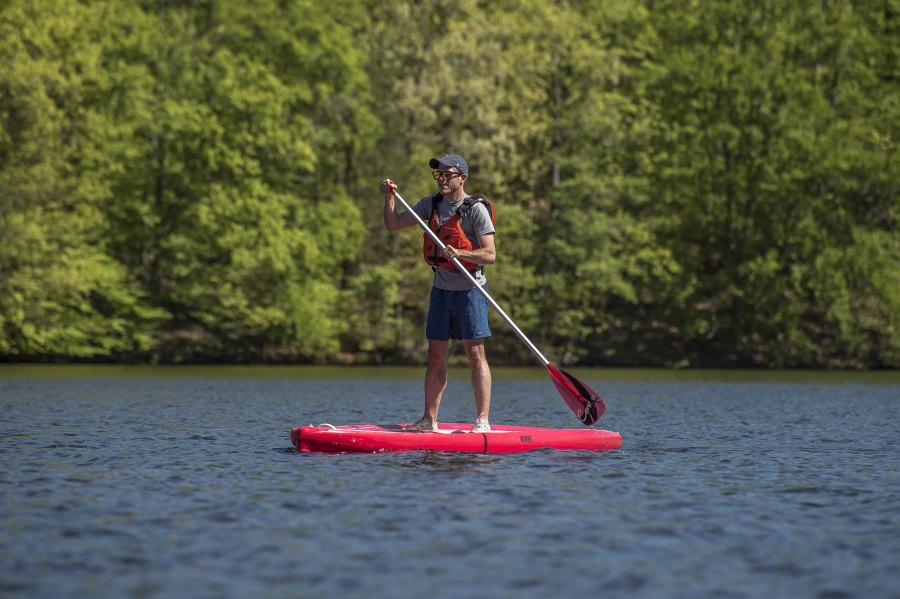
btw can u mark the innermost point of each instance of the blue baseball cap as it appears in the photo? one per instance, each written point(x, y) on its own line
point(449, 161)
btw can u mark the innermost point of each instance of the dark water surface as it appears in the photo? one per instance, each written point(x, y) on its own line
point(183, 483)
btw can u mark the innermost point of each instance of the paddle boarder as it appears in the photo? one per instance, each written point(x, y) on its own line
point(456, 310)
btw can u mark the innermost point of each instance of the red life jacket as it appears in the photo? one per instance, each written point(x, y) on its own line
point(450, 232)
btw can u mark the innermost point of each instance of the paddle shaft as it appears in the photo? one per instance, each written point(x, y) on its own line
point(544, 361)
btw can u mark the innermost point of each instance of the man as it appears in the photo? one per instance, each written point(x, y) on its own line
point(457, 310)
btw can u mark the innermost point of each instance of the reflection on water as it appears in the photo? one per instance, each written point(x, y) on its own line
point(392, 373)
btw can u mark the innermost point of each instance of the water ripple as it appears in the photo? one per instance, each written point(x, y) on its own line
point(155, 486)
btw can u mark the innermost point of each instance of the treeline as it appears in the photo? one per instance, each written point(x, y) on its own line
point(676, 183)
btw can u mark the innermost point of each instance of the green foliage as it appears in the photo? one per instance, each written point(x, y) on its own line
point(676, 183)
point(765, 109)
point(61, 293)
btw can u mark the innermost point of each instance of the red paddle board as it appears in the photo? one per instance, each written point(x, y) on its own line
point(375, 438)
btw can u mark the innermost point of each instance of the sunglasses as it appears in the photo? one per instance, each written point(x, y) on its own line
point(445, 175)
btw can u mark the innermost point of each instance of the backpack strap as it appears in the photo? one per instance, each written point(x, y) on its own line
point(464, 209)
point(435, 200)
point(472, 200)
point(477, 199)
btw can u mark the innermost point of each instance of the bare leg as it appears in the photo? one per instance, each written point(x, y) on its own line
point(481, 378)
point(435, 377)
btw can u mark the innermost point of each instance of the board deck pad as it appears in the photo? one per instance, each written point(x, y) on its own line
point(377, 438)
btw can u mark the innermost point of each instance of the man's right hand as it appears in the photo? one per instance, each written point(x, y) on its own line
point(388, 188)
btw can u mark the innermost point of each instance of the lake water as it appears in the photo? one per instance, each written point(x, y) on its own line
point(141, 482)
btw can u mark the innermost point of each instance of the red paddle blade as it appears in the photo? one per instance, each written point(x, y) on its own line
point(581, 399)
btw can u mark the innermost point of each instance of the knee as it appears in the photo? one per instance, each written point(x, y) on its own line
point(437, 355)
point(477, 357)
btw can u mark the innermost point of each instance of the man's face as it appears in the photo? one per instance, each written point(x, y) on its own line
point(448, 180)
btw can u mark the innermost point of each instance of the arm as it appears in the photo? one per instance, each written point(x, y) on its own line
point(485, 253)
point(394, 221)
point(484, 250)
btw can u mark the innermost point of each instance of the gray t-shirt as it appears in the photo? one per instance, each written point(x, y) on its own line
point(474, 222)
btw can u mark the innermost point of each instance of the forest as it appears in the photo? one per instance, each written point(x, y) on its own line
point(676, 183)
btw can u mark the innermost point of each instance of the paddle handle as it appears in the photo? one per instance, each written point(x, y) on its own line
point(544, 361)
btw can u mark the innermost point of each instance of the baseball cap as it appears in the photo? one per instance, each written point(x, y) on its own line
point(449, 161)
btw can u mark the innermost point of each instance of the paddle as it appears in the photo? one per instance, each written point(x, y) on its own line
point(581, 399)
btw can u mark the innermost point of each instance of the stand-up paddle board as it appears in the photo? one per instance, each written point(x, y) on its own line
point(375, 438)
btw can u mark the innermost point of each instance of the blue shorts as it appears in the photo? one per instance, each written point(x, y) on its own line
point(457, 315)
